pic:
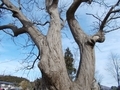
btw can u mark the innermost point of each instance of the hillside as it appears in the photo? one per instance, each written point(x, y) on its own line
point(13, 79)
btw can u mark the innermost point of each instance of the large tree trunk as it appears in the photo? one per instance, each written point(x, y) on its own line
point(52, 63)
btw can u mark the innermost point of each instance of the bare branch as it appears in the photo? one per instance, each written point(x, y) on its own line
point(73, 8)
point(73, 23)
point(62, 22)
point(115, 11)
point(27, 24)
point(16, 12)
point(113, 18)
point(76, 3)
point(51, 3)
point(19, 3)
point(94, 16)
point(112, 30)
point(111, 15)
point(111, 10)
point(15, 30)
point(55, 3)
point(42, 24)
point(8, 33)
point(28, 60)
point(30, 54)
point(33, 64)
point(48, 3)
point(9, 6)
point(113, 66)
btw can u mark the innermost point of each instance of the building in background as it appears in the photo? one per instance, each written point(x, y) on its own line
point(8, 86)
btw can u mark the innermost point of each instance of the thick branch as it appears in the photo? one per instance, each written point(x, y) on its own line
point(42, 24)
point(85, 45)
point(55, 25)
point(73, 8)
point(55, 3)
point(9, 6)
point(15, 30)
point(51, 3)
point(71, 11)
point(99, 36)
point(111, 10)
point(27, 24)
point(75, 28)
point(115, 11)
point(48, 3)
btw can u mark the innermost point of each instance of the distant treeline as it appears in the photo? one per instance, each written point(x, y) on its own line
point(12, 79)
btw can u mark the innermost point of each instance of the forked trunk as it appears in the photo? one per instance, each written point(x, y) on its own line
point(54, 74)
point(52, 64)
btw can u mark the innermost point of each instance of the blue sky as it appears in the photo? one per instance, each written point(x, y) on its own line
point(11, 54)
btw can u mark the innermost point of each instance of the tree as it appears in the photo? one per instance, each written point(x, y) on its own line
point(69, 63)
point(98, 79)
point(98, 76)
point(52, 63)
point(114, 67)
point(37, 84)
point(25, 85)
point(113, 88)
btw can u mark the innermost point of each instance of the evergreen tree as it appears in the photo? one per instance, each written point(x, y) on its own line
point(68, 56)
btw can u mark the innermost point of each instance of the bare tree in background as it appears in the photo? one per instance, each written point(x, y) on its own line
point(52, 63)
point(114, 67)
point(99, 77)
